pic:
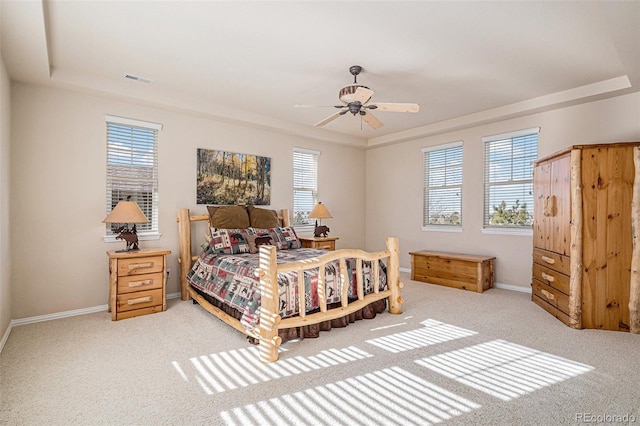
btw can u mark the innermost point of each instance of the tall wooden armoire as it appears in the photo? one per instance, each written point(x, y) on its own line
point(585, 266)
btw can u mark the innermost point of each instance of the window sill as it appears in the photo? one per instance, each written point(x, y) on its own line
point(527, 232)
point(442, 228)
point(148, 236)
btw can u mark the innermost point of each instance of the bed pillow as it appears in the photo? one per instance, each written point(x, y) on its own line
point(228, 217)
point(263, 218)
point(255, 241)
point(283, 238)
point(230, 241)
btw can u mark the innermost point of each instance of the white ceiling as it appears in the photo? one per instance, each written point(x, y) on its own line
point(465, 63)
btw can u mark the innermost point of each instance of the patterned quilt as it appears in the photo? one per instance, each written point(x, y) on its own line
point(232, 279)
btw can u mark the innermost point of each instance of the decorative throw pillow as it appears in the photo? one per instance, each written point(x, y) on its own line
point(228, 217)
point(283, 238)
point(263, 218)
point(230, 241)
point(255, 241)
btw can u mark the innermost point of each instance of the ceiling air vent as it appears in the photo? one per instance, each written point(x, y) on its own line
point(138, 78)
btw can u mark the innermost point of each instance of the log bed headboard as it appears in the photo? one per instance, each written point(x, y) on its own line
point(186, 257)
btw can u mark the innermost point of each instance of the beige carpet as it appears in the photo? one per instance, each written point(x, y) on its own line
point(452, 357)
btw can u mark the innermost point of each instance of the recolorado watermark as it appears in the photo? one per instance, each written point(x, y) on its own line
point(605, 418)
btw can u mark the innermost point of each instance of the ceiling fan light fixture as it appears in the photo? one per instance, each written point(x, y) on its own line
point(347, 92)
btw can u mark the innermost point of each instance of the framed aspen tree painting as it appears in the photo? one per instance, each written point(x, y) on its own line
point(226, 178)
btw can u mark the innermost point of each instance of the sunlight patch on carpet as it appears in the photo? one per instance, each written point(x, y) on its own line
point(392, 396)
point(223, 371)
point(503, 369)
point(432, 333)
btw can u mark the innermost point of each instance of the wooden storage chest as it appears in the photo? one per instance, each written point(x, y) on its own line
point(464, 271)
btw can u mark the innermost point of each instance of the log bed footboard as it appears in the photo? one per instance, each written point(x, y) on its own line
point(270, 320)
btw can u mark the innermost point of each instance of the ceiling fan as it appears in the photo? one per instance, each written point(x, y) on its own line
point(355, 98)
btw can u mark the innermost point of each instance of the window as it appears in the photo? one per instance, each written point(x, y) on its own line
point(508, 179)
point(305, 186)
point(442, 186)
point(132, 169)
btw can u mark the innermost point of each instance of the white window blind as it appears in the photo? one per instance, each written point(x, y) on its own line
point(132, 168)
point(442, 185)
point(305, 186)
point(508, 178)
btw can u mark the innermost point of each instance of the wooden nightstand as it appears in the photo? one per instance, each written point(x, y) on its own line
point(327, 243)
point(137, 283)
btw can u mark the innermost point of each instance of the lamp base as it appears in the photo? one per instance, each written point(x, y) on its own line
point(125, 250)
point(321, 231)
point(130, 236)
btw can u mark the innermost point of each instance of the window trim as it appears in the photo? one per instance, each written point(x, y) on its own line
point(508, 229)
point(153, 234)
point(445, 227)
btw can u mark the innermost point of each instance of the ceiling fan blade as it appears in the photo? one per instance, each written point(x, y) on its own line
point(329, 119)
point(372, 120)
point(395, 107)
point(315, 106)
point(362, 94)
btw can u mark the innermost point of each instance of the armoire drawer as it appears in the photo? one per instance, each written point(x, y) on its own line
point(552, 260)
point(552, 278)
point(551, 295)
point(551, 309)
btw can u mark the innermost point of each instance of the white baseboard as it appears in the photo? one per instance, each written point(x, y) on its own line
point(512, 287)
point(5, 337)
point(58, 315)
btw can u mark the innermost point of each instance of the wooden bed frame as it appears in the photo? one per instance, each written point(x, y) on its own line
point(270, 321)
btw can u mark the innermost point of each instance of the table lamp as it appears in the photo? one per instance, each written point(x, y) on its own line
point(127, 212)
point(320, 212)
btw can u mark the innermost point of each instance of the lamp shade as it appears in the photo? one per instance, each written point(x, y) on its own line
point(320, 212)
point(126, 212)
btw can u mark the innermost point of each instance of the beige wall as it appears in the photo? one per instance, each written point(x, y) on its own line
point(58, 260)
point(5, 252)
point(58, 151)
point(394, 182)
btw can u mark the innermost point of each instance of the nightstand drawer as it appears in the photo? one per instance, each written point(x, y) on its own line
point(140, 265)
point(133, 283)
point(327, 245)
point(139, 300)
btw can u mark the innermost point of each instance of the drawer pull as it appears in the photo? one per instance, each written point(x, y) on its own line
point(547, 294)
point(139, 283)
point(549, 260)
point(140, 265)
point(548, 277)
point(139, 300)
